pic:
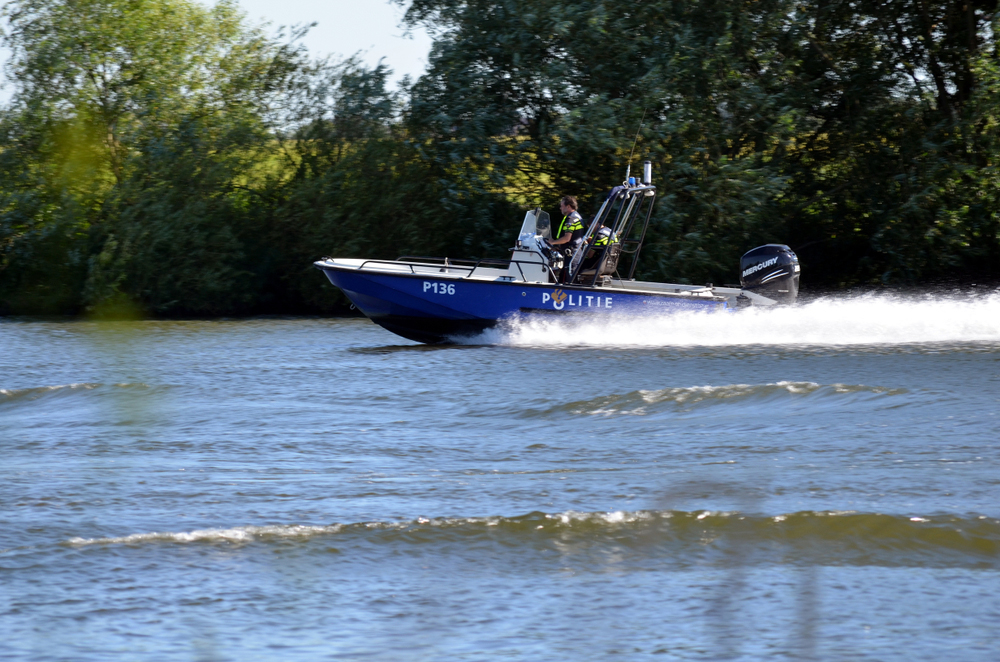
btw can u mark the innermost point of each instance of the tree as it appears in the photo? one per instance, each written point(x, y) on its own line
point(132, 130)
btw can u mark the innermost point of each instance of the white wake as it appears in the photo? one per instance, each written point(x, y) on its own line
point(832, 320)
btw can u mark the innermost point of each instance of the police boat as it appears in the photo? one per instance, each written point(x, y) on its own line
point(435, 300)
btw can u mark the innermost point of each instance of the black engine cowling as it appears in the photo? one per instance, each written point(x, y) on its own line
point(771, 271)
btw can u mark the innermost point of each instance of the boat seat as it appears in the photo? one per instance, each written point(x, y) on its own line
point(605, 269)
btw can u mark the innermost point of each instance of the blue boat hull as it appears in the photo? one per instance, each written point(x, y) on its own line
point(436, 309)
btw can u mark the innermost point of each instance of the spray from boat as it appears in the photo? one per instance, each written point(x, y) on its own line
point(871, 319)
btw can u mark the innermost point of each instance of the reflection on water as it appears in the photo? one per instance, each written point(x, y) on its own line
point(390, 349)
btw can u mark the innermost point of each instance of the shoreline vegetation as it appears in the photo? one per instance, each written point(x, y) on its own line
point(166, 158)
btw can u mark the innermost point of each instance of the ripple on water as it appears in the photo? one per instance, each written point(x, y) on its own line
point(685, 399)
point(676, 537)
point(51, 393)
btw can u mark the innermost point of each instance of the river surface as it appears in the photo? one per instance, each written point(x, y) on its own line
point(819, 482)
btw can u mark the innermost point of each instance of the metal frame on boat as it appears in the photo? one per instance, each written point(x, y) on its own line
point(436, 299)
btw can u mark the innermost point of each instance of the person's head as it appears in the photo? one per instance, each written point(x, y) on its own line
point(567, 204)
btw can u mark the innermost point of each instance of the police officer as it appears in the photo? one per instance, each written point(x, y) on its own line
point(568, 236)
point(570, 229)
point(601, 239)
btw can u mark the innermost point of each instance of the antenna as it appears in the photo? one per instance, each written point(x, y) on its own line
point(628, 169)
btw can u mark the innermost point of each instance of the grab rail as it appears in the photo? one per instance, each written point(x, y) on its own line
point(470, 266)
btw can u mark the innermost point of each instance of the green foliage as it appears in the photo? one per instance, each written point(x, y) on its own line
point(137, 121)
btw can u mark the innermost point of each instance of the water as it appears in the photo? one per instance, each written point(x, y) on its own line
point(815, 483)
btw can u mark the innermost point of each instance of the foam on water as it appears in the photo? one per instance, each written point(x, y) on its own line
point(37, 392)
point(249, 533)
point(833, 320)
point(820, 537)
point(235, 534)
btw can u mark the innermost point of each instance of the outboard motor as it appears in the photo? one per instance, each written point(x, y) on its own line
point(771, 271)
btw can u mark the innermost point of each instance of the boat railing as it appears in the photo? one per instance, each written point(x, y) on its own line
point(397, 265)
point(465, 266)
point(618, 213)
point(439, 261)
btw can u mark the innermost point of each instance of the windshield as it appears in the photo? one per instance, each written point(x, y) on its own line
point(542, 225)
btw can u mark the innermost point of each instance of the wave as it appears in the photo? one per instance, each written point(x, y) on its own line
point(62, 390)
point(826, 321)
point(677, 537)
point(645, 402)
point(237, 534)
